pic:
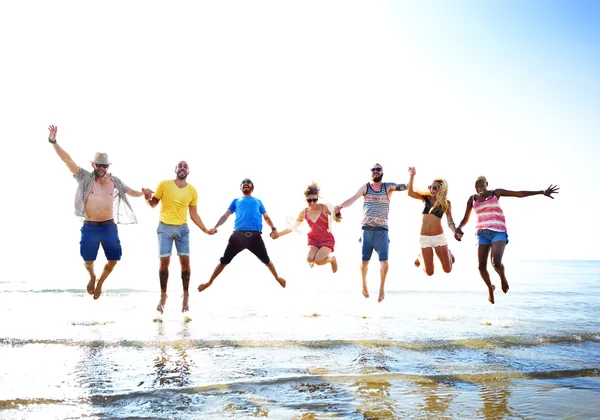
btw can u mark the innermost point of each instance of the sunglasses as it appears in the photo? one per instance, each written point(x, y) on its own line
point(101, 165)
point(376, 169)
point(433, 187)
point(312, 200)
point(246, 182)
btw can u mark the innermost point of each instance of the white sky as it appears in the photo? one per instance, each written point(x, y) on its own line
point(286, 93)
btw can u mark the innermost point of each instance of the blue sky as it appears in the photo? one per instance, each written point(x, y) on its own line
point(286, 93)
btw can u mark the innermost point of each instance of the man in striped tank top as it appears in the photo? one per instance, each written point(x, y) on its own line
point(491, 227)
point(376, 206)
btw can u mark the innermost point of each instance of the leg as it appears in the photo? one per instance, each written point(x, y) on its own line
point(108, 268)
point(271, 268)
point(310, 258)
point(427, 255)
point(383, 270)
point(91, 286)
point(364, 268)
point(185, 280)
point(322, 257)
point(163, 275)
point(482, 254)
point(445, 257)
point(214, 275)
point(497, 253)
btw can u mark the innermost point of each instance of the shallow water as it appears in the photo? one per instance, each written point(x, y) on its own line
point(434, 348)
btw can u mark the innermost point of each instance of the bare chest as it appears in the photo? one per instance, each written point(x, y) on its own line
point(105, 189)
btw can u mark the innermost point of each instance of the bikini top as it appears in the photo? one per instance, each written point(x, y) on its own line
point(438, 212)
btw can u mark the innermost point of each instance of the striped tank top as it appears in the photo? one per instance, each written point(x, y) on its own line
point(376, 207)
point(489, 215)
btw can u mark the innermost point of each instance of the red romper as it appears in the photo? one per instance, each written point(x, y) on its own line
point(319, 236)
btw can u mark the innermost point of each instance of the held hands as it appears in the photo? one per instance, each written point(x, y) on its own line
point(147, 193)
point(211, 231)
point(337, 212)
point(552, 189)
point(458, 234)
point(274, 234)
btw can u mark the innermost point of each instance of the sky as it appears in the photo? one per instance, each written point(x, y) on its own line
point(290, 92)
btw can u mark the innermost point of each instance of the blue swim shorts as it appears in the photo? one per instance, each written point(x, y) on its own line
point(375, 239)
point(94, 234)
point(167, 234)
point(487, 237)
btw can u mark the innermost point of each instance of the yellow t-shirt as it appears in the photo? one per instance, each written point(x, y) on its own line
point(175, 201)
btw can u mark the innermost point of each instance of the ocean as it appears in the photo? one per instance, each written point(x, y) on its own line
point(434, 348)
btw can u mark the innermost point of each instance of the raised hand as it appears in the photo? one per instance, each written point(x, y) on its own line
point(52, 129)
point(552, 189)
point(412, 171)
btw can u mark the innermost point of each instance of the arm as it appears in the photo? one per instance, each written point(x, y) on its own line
point(458, 233)
point(299, 220)
point(64, 156)
point(196, 218)
point(361, 192)
point(411, 192)
point(450, 219)
point(268, 220)
point(222, 219)
point(134, 193)
point(552, 189)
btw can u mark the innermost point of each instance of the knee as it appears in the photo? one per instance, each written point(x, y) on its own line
point(111, 263)
point(364, 264)
point(310, 260)
point(447, 268)
point(429, 271)
point(321, 262)
point(497, 265)
point(482, 268)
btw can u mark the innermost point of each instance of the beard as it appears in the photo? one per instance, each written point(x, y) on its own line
point(98, 175)
point(179, 176)
point(377, 178)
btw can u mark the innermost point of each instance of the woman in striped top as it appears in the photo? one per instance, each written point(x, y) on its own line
point(491, 227)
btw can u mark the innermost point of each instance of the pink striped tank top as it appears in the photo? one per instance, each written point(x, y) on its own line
point(489, 215)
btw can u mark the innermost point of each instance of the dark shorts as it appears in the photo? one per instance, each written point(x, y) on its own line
point(244, 239)
point(375, 239)
point(94, 234)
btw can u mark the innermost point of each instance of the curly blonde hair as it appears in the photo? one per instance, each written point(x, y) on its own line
point(441, 198)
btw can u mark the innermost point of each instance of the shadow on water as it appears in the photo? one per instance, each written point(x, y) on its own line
point(172, 364)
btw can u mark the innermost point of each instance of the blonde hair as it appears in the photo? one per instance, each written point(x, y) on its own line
point(441, 198)
point(481, 178)
point(312, 189)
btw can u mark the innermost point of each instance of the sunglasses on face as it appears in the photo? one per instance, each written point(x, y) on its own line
point(376, 169)
point(101, 165)
point(312, 200)
point(247, 183)
point(433, 187)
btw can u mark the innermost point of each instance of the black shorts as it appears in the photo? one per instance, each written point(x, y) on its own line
point(245, 239)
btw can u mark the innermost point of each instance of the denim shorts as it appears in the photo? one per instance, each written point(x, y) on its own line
point(169, 233)
point(487, 237)
point(375, 239)
point(94, 234)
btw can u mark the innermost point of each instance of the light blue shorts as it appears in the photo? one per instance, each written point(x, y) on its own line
point(487, 237)
point(167, 234)
point(375, 239)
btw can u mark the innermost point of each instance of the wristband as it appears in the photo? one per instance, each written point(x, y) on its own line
point(53, 142)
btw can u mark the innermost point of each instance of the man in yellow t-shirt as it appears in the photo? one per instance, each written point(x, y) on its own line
point(177, 197)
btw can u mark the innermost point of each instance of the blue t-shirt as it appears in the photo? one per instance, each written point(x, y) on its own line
point(248, 213)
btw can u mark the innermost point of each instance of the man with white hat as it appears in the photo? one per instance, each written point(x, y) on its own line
point(98, 197)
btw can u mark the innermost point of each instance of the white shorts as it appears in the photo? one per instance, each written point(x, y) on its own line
point(433, 241)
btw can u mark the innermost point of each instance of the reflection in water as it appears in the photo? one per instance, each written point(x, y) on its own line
point(495, 399)
point(374, 394)
point(172, 365)
point(436, 397)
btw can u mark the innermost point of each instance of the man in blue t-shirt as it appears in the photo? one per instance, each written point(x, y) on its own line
point(247, 232)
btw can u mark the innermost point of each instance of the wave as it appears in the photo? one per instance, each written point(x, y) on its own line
point(416, 345)
point(242, 385)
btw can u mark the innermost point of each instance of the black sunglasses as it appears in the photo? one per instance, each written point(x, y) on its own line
point(246, 182)
point(376, 169)
point(312, 200)
point(101, 165)
point(433, 187)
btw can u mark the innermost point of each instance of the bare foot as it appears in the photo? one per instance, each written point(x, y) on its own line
point(491, 294)
point(365, 290)
point(161, 304)
point(185, 306)
point(381, 295)
point(281, 282)
point(203, 286)
point(417, 262)
point(98, 290)
point(504, 286)
point(91, 286)
point(333, 264)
